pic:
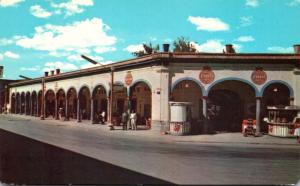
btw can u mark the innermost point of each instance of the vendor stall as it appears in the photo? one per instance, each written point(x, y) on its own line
point(281, 120)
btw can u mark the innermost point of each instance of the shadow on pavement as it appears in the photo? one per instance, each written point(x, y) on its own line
point(27, 161)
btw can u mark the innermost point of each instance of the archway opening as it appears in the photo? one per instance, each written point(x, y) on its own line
point(27, 105)
point(190, 91)
point(99, 103)
point(50, 104)
point(22, 103)
point(18, 103)
point(13, 103)
point(84, 103)
point(39, 104)
point(34, 103)
point(119, 100)
point(275, 94)
point(229, 102)
point(61, 103)
point(72, 104)
point(141, 102)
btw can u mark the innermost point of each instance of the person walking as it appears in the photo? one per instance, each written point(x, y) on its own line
point(124, 120)
point(133, 118)
point(103, 117)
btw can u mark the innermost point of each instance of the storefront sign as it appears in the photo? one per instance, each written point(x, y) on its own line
point(259, 76)
point(128, 79)
point(206, 76)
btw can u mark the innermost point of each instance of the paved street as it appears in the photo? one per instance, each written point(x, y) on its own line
point(153, 158)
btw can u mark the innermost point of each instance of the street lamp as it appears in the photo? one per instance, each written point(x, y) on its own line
point(90, 60)
point(24, 77)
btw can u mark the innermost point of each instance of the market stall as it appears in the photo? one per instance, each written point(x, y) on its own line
point(281, 120)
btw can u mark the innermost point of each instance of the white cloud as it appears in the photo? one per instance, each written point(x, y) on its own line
point(1, 57)
point(214, 46)
point(5, 41)
point(279, 49)
point(12, 55)
point(72, 7)
point(63, 66)
point(294, 3)
point(6, 3)
point(245, 39)
point(134, 48)
point(209, 46)
point(58, 53)
point(35, 68)
point(246, 21)
point(81, 35)
point(101, 50)
point(208, 23)
point(252, 3)
point(38, 11)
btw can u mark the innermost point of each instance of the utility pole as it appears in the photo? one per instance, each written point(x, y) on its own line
point(111, 95)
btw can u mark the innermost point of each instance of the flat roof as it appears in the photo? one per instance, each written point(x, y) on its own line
point(169, 57)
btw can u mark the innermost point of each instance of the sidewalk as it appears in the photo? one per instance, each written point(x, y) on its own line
point(221, 138)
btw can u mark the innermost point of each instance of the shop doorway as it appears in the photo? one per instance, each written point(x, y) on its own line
point(61, 103)
point(34, 103)
point(229, 102)
point(100, 103)
point(13, 103)
point(27, 104)
point(22, 103)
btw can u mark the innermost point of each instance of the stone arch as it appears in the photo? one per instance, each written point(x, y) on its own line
point(233, 79)
point(61, 103)
point(50, 103)
point(13, 103)
point(188, 79)
point(230, 100)
point(84, 96)
point(71, 111)
point(141, 101)
point(34, 102)
point(28, 103)
point(18, 103)
point(99, 96)
point(291, 90)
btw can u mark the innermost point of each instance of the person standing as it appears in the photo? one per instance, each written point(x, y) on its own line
point(133, 118)
point(103, 117)
point(124, 120)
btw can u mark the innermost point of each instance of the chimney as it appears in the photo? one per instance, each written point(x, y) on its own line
point(57, 71)
point(52, 72)
point(229, 49)
point(166, 47)
point(46, 74)
point(297, 49)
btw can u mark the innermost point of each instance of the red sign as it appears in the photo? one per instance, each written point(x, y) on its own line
point(128, 79)
point(259, 76)
point(206, 76)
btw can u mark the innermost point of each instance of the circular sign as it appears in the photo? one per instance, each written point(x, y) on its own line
point(128, 79)
point(259, 77)
point(207, 76)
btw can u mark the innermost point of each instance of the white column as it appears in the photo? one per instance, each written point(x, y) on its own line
point(204, 112)
point(258, 110)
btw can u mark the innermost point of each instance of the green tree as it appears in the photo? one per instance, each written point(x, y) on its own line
point(148, 49)
point(182, 44)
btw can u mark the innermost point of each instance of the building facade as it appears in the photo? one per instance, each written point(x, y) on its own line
point(223, 88)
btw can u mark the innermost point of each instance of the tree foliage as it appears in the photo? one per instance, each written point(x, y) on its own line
point(148, 49)
point(182, 44)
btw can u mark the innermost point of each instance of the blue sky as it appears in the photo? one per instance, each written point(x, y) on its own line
point(41, 35)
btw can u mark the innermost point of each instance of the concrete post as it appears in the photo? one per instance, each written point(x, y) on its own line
point(66, 110)
point(92, 111)
point(258, 110)
point(56, 109)
point(43, 100)
point(204, 112)
point(78, 111)
point(108, 109)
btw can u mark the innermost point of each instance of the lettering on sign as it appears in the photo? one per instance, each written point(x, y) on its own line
point(128, 78)
point(259, 76)
point(206, 76)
